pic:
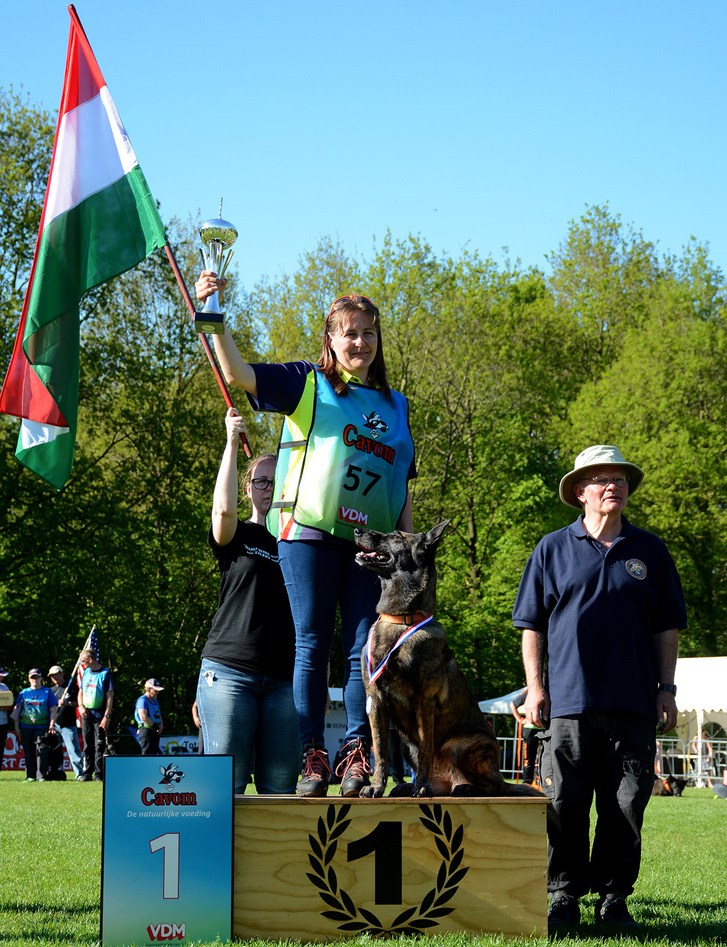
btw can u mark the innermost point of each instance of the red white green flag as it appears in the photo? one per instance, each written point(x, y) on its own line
point(99, 220)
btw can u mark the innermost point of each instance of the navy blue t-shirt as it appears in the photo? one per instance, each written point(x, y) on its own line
point(599, 610)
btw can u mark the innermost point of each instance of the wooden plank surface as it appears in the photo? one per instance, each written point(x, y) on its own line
point(320, 869)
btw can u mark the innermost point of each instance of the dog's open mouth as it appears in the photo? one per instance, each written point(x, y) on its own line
point(369, 557)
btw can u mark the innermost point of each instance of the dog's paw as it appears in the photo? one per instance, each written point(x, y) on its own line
point(464, 789)
point(421, 790)
point(371, 792)
point(402, 790)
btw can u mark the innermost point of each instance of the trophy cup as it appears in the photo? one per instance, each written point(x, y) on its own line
point(218, 236)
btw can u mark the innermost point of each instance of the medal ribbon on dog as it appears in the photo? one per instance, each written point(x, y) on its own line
point(373, 674)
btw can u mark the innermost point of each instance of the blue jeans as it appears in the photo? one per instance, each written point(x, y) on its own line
point(244, 714)
point(69, 735)
point(320, 576)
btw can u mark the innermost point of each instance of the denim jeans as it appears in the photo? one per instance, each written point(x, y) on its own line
point(320, 576)
point(251, 717)
point(69, 735)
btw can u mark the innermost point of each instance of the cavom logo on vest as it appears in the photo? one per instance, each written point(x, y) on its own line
point(636, 568)
point(352, 438)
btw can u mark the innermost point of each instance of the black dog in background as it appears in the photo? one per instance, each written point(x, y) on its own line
point(668, 786)
point(50, 750)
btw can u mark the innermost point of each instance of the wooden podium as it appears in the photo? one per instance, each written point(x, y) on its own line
point(322, 869)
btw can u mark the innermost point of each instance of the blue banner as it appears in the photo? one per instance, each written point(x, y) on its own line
point(167, 850)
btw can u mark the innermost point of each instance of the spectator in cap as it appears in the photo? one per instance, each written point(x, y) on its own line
point(67, 696)
point(149, 718)
point(6, 704)
point(600, 606)
point(35, 715)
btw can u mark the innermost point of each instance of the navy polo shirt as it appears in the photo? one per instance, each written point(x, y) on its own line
point(599, 610)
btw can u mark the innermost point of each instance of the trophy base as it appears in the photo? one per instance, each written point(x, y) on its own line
point(210, 322)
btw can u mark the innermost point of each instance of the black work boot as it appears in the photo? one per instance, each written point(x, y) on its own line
point(354, 768)
point(316, 770)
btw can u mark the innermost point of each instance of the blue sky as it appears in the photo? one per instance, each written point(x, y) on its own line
point(482, 125)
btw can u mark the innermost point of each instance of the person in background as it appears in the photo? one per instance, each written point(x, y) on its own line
point(529, 738)
point(148, 716)
point(95, 702)
point(701, 750)
point(244, 691)
point(720, 789)
point(601, 602)
point(67, 697)
point(345, 458)
point(6, 706)
point(36, 709)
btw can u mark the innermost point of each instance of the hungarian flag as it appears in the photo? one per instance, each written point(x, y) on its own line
point(99, 220)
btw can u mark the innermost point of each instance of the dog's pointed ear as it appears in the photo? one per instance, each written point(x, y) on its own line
point(435, 534)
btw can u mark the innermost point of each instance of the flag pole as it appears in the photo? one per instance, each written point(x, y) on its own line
point(78, 661)
point(205, 343)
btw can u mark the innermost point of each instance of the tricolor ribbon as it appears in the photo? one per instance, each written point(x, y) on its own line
point(375, 673)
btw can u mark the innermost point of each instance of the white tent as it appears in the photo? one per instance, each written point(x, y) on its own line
point(702, 684)
point(500, 705)
point(702, 702)
point(701, 692)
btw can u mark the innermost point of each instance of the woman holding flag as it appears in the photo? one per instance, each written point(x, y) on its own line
point(345, 458)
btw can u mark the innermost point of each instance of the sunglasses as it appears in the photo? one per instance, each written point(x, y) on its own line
point(349, 297)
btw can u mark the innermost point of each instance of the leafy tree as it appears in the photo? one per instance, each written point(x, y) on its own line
point(663, 402)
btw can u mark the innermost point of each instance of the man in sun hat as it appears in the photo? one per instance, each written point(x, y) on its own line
point(600, 606)
point(149, 718)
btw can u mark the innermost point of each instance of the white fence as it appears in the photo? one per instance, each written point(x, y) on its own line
point(698, 764)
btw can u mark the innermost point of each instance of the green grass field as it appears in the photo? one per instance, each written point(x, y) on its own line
point(50, 883)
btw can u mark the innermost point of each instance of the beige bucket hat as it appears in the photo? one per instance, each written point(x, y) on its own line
point(599, 455)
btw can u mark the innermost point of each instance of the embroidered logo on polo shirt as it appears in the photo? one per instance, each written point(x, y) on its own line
point(636, 568)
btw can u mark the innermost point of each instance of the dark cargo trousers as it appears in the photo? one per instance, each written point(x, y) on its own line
point(609, 754)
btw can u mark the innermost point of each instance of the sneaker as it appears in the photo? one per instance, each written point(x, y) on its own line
point(612, 910)
point(564, 912)
point(316, 770)
point(29, 779)
point(41, 779)
point(354, 768)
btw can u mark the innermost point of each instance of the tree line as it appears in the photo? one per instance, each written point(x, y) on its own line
point(509, 371)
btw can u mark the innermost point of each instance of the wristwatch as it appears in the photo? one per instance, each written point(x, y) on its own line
point(672, 688)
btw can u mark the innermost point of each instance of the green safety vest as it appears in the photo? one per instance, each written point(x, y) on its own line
point(343, 462)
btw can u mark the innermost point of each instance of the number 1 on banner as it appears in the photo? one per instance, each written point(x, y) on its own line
point(169, 844)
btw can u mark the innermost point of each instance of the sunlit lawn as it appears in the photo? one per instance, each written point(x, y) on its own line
point(50, 883)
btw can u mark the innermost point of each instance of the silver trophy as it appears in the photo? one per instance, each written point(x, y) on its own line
point(218, 236)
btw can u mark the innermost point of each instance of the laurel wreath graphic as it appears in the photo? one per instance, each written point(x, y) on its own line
point(412, 921)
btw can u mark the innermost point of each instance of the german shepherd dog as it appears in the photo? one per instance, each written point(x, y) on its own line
point(421, 689)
